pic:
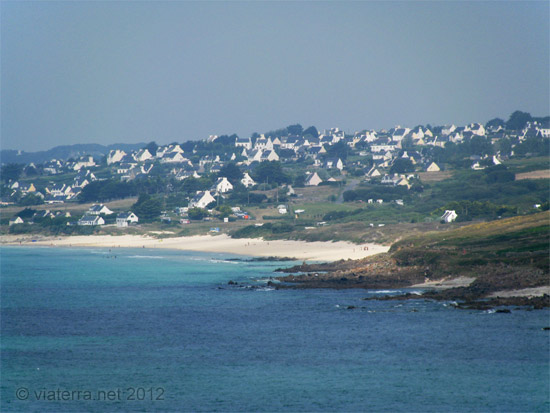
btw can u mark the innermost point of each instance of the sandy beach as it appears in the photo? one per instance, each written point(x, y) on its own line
point(310, 251)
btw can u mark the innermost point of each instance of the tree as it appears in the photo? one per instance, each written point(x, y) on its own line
point(12, 171)
point(270, 172)
point(295, 129)
point(498, 174)
point(26, 213)
point(407, 143)
point(312, 131)
point(338, 150)
point(401, 166)
point(480, 145)
point(518, 120)
point(147, 207)
point(227, 140)
point(495, 123)
point(232, 172)
point(106, 190)
point(196, 214)
point(152, 148)
point(287, 153)
point(224, 210)
point(31, 199)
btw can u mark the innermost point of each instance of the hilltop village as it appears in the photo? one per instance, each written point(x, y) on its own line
point(303, 178)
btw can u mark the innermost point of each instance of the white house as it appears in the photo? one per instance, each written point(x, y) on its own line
point(313, 180)
point(115, 155)
point(269, 155)
point(59, 189)
point(433, 167)
point(173, 157)
point(449, 216)
point(16, 220)
point(247, 181)
point(447, 130)
point(334, 163)
point(85, 161)
point(475, 128)
point(222, 185)
point(201, 199)
point(264, 144)
point(290, 191)
point(126, 218)
point(245, 143)
point(399, 134)
point(99, 209)
point(255, 156)
point(91, 220)
point(142, 155)
point(373, 173)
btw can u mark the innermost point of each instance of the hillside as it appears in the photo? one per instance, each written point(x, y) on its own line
point(490, 257)
point(63, 152)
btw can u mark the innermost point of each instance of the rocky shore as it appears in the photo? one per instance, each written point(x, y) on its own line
point(482, 266)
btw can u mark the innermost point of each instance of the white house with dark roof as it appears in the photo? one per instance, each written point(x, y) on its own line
point(15, 221)
point(476, 128)
point(373, 172)
point(447, 130)
point(58, 189)
point(91, 220)
point(84, 162)
point(126, 218)
point(222, 185)
point(263, 144)
point(115, 155)
point(334, 163)
point(449, 216)
point(399, 134)
point(247, 181)
point(201, 199)
point(98, 209)
point(313, 180)
point(142, 155)
point(433, 167)
point(269, 156)
point(173, 157)
point(245, 143)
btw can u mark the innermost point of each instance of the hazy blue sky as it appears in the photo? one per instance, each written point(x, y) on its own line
point(106, 72)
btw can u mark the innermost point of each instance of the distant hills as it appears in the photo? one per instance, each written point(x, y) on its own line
point(64, 152)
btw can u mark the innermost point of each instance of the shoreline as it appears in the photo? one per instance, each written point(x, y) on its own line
point(253, 247)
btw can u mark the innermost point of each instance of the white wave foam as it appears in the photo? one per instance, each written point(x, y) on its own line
point(152, 257)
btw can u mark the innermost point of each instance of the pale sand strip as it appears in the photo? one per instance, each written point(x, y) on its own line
point(445, 283)
point(313, 251)
point(526, 292)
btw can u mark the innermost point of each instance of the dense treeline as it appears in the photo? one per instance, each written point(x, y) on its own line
point(107, 190)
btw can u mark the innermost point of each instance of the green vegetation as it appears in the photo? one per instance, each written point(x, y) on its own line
point(518, 241)
point(107, 190)
point(147, 207)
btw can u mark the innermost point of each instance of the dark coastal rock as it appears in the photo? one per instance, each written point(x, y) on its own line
point(231, 282)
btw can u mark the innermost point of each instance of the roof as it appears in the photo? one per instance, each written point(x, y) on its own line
point(125, 215)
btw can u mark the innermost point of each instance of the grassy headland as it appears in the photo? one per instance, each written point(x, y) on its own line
point(502, 255)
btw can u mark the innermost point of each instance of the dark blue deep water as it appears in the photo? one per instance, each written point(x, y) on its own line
point(150, 324)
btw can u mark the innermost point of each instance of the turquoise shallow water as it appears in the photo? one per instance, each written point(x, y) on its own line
point(162, 331)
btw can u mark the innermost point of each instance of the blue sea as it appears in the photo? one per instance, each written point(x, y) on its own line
point(146, 330)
